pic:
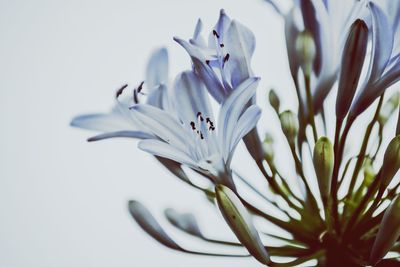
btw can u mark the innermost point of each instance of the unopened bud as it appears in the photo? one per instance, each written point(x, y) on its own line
point(289, 124)
point(306, 51)
point(323, 159)
point(389, 232)
point(274, 100)
point(268, 147)
point(391, 161)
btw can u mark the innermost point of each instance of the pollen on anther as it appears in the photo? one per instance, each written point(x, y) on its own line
point(226, 58)
point(215, 33)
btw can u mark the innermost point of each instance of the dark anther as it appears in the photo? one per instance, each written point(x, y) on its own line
point(139, 89)
point(193, 125)
point(221, 45)
point(208, 119)
point(198, 114)
point(201, 136)
point(120, 90)
point(207, 62)
point(215, 33)
point(226, 58)
point(135, 96)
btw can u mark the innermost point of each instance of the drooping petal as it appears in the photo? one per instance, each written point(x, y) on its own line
point(126, 134)
point(245, 124)
point(382, 44)
point(204, 70)
point(150, 225)
point(382, 41)
point(102, 122)
point(157, 69)
point(164, 150)
point(231, 110)
point(240, 44)
point(163, 125)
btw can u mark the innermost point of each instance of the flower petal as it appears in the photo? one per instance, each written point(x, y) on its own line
point(245, 124)
point(240, 44)
point(191, 97)
point(159, 97)
point(231, 110)
point(382, 41)
point(165, 150)
point(102, 122)
point(204, 71)
point(163, 125)
point(157, 69)
point(128, 134)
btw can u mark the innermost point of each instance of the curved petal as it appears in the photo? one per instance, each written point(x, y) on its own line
point(219, 29)
point(164, 150)
point(382, 41)
point(240, 44)
point(382, 44)
point(102, 122)
point(245, 124)
point(128, 134)
point(231, 110)
point(159, 97)
point(191, 98)
point(204, 71)
point(157, 69)
point(163, 125)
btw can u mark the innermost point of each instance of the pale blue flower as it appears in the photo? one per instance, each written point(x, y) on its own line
point(384, 65)
point(119, 122)
point(328, 24)
point(192, 136)
point(224, 62)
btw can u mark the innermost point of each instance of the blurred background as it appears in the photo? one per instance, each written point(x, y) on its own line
point(63, 201)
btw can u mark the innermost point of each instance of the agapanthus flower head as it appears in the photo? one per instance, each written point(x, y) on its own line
point(340, 204)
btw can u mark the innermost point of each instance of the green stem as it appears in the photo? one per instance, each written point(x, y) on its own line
point(310, 106)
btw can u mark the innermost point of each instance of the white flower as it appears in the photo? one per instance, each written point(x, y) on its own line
point(120, 122)
point(192, 136)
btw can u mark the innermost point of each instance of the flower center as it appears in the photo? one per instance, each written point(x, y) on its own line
point(203, 126)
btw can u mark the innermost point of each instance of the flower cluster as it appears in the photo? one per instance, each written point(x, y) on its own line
point(345, 49)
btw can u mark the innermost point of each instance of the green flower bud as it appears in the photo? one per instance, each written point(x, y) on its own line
point(289, 124)
point(306, 51)
point(240, 222)
point(389, 231)
point(352, 58)
point(274, 100)
point(389, 108)
point(391, 161)
point(268, 148)
point(323, 159)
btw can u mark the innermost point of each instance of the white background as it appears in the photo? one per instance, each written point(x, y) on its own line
point(63, 201)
